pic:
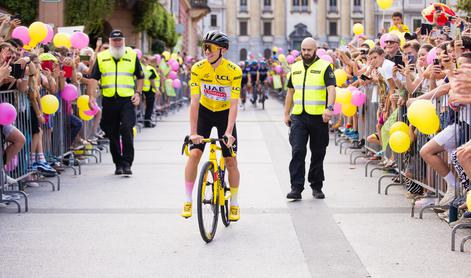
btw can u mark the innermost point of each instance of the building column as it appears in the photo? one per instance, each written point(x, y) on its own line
point(345, 19)
point(369, 18)
point(322, 20)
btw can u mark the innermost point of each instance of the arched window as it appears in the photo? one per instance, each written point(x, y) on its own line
point(243, 54)
point(267, 53)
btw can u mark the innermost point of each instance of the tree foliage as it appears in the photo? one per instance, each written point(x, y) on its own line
point(464, 5)
point(27, 9)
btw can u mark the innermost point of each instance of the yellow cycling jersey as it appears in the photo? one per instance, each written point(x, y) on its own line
point(216, 86)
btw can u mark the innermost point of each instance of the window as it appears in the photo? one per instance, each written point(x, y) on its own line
point(267, 28)
point(416, 23)
point(300, 6)
point(243, 54)
point(267, 3)
point(332, 6)
point(243, 28)
point(357, 3)
point(214, 20)
point(357, 6)
point(333, 28)
point(243, 5)
point(295, 3)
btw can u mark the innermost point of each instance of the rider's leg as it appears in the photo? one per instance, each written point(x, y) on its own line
point(191, 169)
point(233, 177)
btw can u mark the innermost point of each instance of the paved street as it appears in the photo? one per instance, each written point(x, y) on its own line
point(100, 225)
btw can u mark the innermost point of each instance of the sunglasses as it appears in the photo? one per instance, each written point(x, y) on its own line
point(391, 42)
point(209, 46)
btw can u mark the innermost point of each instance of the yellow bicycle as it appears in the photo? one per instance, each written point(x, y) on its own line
point(213, 191)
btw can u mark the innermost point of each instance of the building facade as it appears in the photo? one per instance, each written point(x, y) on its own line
point(216, 19)
point(254, 27)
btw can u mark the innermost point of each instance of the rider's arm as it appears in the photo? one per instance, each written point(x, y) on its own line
point(194, 104)
point(235, 95)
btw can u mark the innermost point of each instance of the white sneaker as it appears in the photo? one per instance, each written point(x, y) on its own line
point(425, 202)
point(448, 198)
point(33, 184)
point(2, 205)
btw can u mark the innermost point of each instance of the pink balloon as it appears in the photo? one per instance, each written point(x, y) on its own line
point(290, 59)
point(278, 69)
point(280, 50)
point(358, 98)
point(21, 33)
point(337, 108)
point(158, 59)
point(321, 52)
point(79, 40)
point(431, 55)
point(69, 93)
point(7, 113)
point(327, 58)
point(175, 66)
point(50, 34)
point(12, 164)
point(93, 111)
point(177, 84)
point(172, 75)
point(189, 59)
point(138, 52)
point(382, 40)
point(295, 53)
point(171, 61)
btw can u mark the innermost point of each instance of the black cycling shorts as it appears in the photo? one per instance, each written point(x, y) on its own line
point(208, 119)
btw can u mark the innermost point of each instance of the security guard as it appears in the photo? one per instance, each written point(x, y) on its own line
point(151, 87)
point(121, 79)
point(310, 100)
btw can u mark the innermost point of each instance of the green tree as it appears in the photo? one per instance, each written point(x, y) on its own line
point(464, 5)
point(27, 9)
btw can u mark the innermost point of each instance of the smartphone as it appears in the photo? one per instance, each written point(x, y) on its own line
point(364, 77)
point(363, 51)
point(47, 65)
point(84, 58)
point(398, 60)
point(16, 16)
point(17, 72)
point(67, 71)
point(411, 59)
point(436, 62)
point(425, 28)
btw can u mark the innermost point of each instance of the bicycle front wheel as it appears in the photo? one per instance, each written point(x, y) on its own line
point(207, 207)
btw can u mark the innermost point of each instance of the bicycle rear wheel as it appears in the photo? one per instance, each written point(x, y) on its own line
point(208, 210)
point(225, 208)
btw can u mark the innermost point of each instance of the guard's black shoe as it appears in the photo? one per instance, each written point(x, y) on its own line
point(119, 170)
point(318, 194)
point(294, 195)
point(149, 125)
point(127, 170)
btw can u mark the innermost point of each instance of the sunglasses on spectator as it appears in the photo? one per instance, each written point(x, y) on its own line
point(391, 42)
point(209, 46)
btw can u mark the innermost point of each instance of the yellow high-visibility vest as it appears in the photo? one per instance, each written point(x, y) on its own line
point(309, 87)
point(148, 70)
point(117, 77)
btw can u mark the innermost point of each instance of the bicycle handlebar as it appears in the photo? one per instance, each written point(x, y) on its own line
point(188, 142)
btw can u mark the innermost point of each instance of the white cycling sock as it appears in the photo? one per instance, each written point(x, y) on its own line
point(450, 179)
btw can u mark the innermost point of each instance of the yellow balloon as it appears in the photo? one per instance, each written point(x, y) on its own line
point(174, 56)
point(49, 104)
point(468, 200)
point(166, 55)
point(340, 76)
point(370, 43)
point(348, 109)
point(399, 142)
point(384, 4)
point(429, 126)
point(37, 31)
point(82, 102)
point(343, 96)
point(274, 49)
point(358, 29)
point(180, 60)
point(420, 111)
point(282, 58)
point(84, 116)
point(62, 40)
point(399, 126)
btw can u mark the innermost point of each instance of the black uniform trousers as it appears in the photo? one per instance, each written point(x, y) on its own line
point(304, 127)
point(117, 121)
point(150, 99)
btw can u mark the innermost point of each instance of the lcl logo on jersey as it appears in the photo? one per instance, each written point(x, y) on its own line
point(222, 77)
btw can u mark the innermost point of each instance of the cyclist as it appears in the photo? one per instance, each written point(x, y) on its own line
point(253, 80)
point(215, 89)
point(245, 79)
point(262, 82)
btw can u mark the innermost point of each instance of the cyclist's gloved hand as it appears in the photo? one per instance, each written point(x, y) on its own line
point(196, 139)
point(229, 140)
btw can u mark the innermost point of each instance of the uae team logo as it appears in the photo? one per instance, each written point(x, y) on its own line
point(214, 92)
